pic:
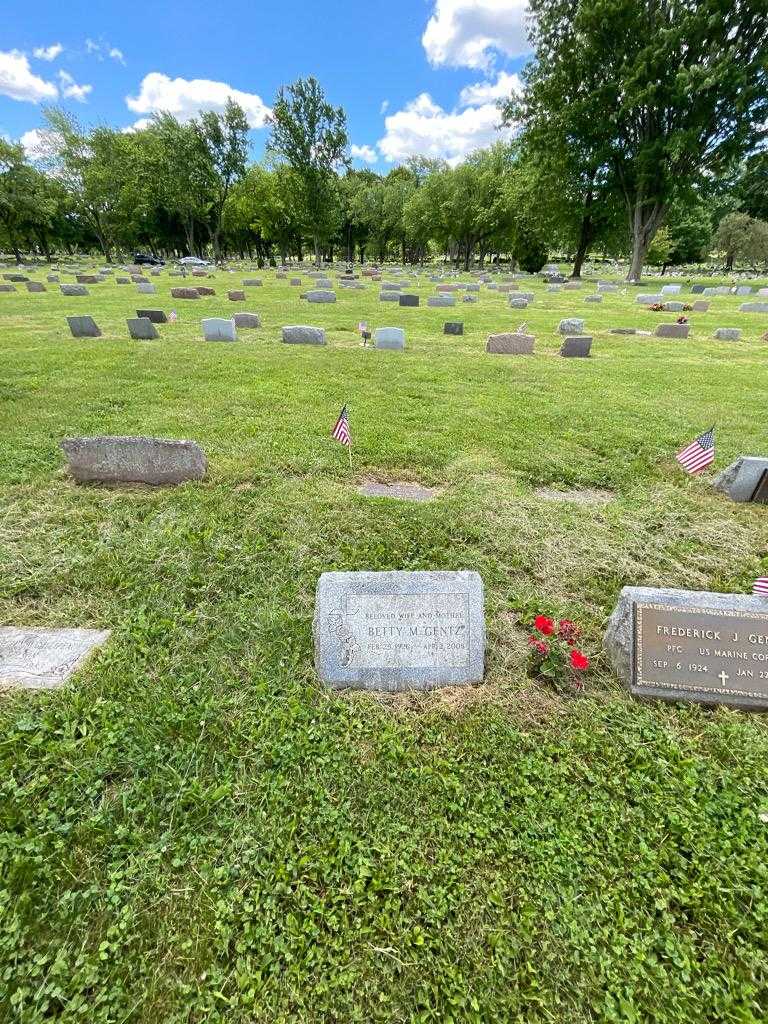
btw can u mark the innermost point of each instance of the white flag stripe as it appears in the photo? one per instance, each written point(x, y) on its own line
point(699, 454)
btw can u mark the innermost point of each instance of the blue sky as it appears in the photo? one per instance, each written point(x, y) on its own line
point(415, 76)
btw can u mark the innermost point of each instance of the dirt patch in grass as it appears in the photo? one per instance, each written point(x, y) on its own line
point(532, 704)
point(576, 496)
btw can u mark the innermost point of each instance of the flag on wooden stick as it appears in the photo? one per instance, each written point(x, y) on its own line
point(699, 454)
point(341, 432)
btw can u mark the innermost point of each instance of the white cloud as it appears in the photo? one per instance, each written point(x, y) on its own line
point(186, 98)
point(489, 92)
point(384, 106)
point(424, 127)
point(137, 126)
point(71, 90)
point(463, 33)
point(100, 48)
point(33, 142)
point(18, 82)
point(366, 153)
point(48, 52)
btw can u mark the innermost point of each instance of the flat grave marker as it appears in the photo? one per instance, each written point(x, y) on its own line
point(399, 630)
point(703, 647)
point(43, 659)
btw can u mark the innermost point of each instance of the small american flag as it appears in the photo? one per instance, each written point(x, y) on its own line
point(172, 316)
point(699, 453)
point(760, 586)
point(341, 431)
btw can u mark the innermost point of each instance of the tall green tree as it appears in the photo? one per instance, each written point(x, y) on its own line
point(310, 135)
point(183, 174)
point(741, 237)
point(224, 140)
point(28, 201)
point(680, 91)
point(572, 183)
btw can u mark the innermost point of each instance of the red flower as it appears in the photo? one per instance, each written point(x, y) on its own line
point(544, 625)
point(539, 645)
point(568, 630)
point(579, 661)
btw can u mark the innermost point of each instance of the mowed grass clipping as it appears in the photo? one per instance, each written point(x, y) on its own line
point(195, 830)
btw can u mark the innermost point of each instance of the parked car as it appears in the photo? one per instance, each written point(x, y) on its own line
point(193, 261)
point(145, 258)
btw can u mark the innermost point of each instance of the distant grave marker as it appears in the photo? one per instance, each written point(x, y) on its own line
point(83, 327)
point(142, 329)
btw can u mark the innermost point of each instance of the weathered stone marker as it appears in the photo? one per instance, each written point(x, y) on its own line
point(399, 630)
point(83, 327)
point(389, 337)
point(146, 460)
point(301, 334)
point(157, 316)
point(249, 320)
point(672, 330)
point(218, 329)
point(39, 659)
point(691, 645)
point(142, 329)
point(746, 479)
point(577, 347)
point(511, 344)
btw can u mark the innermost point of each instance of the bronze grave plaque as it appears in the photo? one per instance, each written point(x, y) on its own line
point(707, 655)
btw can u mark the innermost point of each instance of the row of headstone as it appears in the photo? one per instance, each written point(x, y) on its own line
point(399, 630)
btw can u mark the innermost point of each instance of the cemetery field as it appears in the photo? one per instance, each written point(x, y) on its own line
point(195, 829)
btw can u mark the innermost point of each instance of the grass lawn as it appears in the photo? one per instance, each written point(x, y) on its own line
point(194, 830)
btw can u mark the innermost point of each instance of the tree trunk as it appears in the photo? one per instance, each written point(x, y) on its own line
point(646, 218)
point(214, 233)
point(316, 241)
point(586, 234)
